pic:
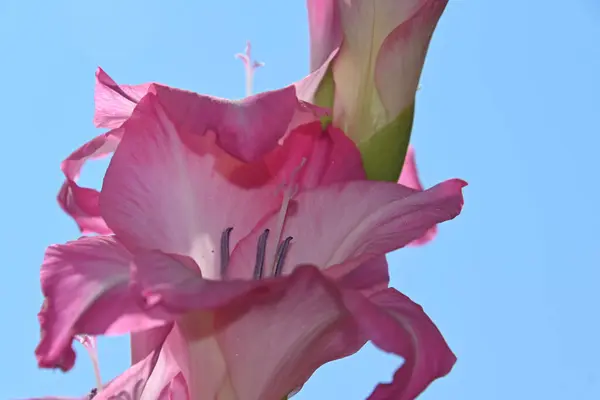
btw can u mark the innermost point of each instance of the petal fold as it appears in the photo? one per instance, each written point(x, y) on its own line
point(86, 288)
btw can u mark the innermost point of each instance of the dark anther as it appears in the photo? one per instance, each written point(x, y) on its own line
point(92, 394)
point(225, 249)
point(260, 254)
point(280, 255)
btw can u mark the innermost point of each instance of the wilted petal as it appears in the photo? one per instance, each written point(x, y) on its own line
point(402, 54)
point(81, 203)
point(397, 325)
point(354, 222)
point(410, 177)
point(86, 289)
point(115, 103)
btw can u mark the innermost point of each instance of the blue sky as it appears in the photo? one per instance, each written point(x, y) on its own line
point(509, 101)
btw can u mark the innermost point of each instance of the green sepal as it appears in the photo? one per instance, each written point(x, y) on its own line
point(383, 153)
point(324, 96)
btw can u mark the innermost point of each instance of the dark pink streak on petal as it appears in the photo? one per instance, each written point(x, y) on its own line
point(397, 325)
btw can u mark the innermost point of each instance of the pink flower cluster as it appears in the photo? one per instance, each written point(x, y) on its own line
point(241, 246)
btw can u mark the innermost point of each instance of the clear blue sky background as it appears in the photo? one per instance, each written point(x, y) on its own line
point(510, 102)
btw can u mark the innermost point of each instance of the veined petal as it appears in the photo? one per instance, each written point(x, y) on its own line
point(347, 224)
point(410, 177)
point(115, 103)
point(397, 325)
point(172, 190)
point(402, 54)
point(81, 203)
point(267, 343)
point(86, 289)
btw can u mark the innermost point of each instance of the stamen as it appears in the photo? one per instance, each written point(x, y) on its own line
point(280, 256)
point(92, 394)
point(225, 249)
point(89, 342)
point(291, 190)
point(260, 254)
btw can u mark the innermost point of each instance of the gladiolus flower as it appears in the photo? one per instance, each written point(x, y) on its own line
point(243, 256)
point(366, 58)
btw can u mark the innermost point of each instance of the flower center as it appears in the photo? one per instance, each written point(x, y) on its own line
point(289, 189)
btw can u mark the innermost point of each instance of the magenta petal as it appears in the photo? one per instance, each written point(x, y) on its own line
point(114, 103)
point(370, 277)
point(397, 325)
point(86, 289)
point(410, 178)
point(82, 204)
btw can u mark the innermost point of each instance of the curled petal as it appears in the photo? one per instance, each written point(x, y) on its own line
point(115, 103)
point(397, 325)
point(86, 289)
point(410, 177)
point(81, 203)
point(360, 220)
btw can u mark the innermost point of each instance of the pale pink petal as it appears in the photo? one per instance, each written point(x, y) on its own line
point(347, 224)
point(403, 52)
point(86, 289)
point(79, 202)
point(326, 33)
point(115, 103)
point(267, 343)
point(397, 325)
point(410, 177)
point(307, 87)
point(147, 379)
point(161, 193)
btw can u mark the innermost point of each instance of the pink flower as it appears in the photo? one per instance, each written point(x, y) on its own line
point(366, 58)
point(241, 260)
point(272, 113)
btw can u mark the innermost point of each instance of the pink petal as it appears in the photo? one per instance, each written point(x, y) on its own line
point(370, 277)
point(347, 224)
point(85, 283)
point(173, 190)
point(325, 30)
point(115, 103)
point(161, 193)
point(247, 128)
point(410, 177)
point(403, 54)
point(397, 325)
point(288, 330)
point(79, 202)
point(148, 379)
